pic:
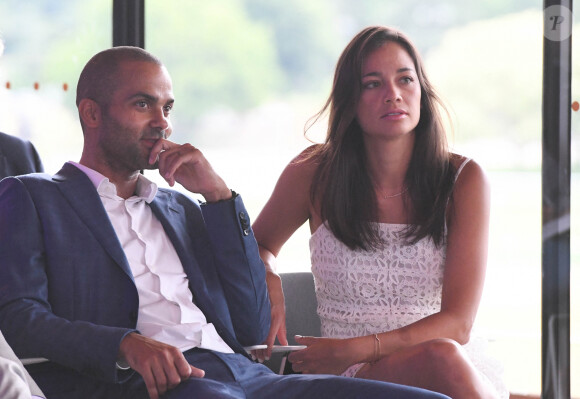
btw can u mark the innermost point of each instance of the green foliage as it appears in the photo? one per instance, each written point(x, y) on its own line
point(236, 55)
point(36, 51)
point(304, 34)
point(427, 21)
point(216, 55)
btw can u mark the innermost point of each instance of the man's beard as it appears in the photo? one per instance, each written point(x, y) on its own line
point(131, 155)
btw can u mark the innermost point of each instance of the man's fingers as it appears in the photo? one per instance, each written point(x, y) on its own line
point(160, 145)
point(162, 366)
point(161, 380)
point(151, 385)
point(171, 160)
point(183, 368)
point(196, 373)
point(174, 158)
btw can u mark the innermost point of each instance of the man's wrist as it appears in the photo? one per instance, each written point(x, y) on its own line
point(122, 365)
point(219, 197)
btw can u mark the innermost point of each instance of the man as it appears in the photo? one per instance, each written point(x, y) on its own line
point(132, 291)
point(17, 157)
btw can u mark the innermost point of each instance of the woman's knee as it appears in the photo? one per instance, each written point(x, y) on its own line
point(443, 352)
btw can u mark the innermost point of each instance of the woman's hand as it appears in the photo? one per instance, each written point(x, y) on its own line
point(323, 355)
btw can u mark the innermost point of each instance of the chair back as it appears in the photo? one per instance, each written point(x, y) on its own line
point(301, 316)
point(300, 299)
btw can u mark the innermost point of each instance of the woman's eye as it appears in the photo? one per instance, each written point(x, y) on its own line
point(371, 85)
point(407, 79)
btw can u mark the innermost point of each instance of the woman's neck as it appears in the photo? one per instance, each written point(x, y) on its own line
point(388, 162)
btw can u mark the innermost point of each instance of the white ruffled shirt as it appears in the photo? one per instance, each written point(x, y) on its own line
point(166, 309)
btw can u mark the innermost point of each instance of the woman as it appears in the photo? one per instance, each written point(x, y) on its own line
point(399, 229)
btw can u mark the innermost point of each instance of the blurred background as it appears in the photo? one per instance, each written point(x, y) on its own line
point(248, 74)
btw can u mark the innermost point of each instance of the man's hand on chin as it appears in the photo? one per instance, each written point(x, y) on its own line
point(186, 165)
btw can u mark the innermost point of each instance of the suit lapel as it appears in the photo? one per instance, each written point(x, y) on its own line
point(84, 200)
point(193, 253)
point(171, 215)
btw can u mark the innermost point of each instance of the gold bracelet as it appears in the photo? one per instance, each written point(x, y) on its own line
point(377, 349)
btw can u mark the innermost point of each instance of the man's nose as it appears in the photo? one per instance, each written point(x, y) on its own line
point(160, 120)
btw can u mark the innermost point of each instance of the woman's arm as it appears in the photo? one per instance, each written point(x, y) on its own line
point(468, 227)
point(287, 209)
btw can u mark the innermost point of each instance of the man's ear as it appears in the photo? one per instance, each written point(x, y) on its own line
point(90, 112)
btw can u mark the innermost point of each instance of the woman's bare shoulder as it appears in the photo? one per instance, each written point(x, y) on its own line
point(304, 164)
point(466, 166)
point(470, 175)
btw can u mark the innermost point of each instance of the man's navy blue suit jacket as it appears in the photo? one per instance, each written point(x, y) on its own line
point(67, 292)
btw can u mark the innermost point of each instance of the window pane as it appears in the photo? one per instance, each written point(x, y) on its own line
point(248, 75)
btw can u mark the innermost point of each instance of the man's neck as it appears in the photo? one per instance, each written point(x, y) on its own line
point(125, 183)
point(125, 188)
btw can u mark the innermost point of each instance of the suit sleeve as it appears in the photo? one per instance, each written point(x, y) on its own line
point(240, 269)
point(27, 319)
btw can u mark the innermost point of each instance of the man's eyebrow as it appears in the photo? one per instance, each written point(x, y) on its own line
point(149, 97)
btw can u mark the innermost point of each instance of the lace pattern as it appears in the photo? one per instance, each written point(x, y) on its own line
point(366, 292)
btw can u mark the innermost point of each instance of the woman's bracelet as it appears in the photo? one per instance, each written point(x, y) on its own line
point(377, 349)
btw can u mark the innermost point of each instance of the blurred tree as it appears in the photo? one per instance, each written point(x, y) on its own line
point(305, 36)
point(426, 21)
point(217, 56)
point(234, 55)
point(43, 42)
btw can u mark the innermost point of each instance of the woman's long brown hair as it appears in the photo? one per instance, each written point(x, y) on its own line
point(342, 184)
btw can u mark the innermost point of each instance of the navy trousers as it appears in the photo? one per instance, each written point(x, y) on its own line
point(233, 376)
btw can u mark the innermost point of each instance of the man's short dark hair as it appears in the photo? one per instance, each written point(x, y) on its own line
point(100, 75)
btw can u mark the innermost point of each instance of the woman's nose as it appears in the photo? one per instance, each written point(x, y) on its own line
point(392, 94)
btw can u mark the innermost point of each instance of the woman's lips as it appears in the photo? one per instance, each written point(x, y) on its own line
point(394, 115)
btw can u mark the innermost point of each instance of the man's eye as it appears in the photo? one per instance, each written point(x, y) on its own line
point(141, 104)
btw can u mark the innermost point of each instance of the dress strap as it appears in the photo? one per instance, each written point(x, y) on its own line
point(460, 168)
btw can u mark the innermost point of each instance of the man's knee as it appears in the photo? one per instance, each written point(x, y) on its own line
point(204, 388)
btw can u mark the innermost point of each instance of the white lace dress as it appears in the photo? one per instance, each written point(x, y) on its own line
point(366, 292)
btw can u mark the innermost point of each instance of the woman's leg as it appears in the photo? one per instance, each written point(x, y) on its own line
point(439, 365)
